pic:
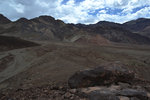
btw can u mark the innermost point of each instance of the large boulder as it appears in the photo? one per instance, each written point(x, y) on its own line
point(101, 76)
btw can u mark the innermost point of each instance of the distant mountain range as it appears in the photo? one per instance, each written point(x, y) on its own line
point(46, 28)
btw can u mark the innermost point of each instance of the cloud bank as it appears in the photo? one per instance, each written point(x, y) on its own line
point(77, 11)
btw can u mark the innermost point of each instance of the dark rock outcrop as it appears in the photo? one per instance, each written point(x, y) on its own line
point(108, 83)
point(101, 76)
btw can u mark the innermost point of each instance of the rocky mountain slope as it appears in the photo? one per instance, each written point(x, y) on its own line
point(4, 20)
point(46, 28)
point(116, 32)
point(140, 26)
point(137, 25)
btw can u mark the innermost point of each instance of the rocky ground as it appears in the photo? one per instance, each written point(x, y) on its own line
point(101, 83)
point(71, 71)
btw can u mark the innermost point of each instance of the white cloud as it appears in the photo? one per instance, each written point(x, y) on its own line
point(80, 13)
point(18, 7)
point(102, 11)
point(87, 11)
point(145, 12)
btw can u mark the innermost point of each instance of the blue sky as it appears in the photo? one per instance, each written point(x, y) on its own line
point(76, 1)
point(77, 11)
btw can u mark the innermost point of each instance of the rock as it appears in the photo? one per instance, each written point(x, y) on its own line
point(147, 88)
point(106, 93)
point(2, 96)
point(100, 76)
point(148, 94)
point(114, 87)
point(102, 95)
point(71, 98)
point(134, 98)
point(124, 98)
point(142, 95)
point(73, 91)
point(67, 95)
point(124, 85)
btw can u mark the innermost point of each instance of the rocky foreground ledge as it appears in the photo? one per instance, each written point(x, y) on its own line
point(110, 83)
point(101, 83)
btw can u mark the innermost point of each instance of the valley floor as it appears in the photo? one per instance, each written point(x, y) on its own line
point(53, 63)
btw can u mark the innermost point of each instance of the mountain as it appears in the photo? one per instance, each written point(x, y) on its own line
point(137, 25)
point(4, 20)
point(115, 32)
point(140, 26)
point(146, 31)
point(46, 28)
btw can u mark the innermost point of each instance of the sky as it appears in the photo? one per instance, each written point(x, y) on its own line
point(77, 11)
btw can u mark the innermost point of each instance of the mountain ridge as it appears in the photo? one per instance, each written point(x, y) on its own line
point(47, 28)
point(4, 20)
